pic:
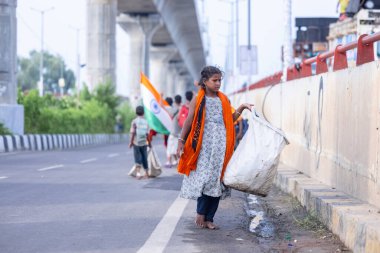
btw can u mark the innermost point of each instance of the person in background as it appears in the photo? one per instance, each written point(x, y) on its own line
point(238, 130)
point(342, 5)
point(171, 147)
point(184, 111)
point(140, 141)
point(176, 131)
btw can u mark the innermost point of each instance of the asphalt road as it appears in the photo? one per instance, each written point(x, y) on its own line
point(82, 200)
point(79, 200)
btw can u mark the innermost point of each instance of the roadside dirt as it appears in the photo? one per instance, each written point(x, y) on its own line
point(281, 224)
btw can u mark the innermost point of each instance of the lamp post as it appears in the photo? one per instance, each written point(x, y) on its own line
point(61, 83)
point(41, 81)
point(78, 84)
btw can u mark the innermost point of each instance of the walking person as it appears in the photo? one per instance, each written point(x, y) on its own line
point(171, 148)
point(140, 141)
point(174, 132)
point(184, 111)
point(206, 145)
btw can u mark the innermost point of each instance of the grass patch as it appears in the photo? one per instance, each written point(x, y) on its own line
point(307, 220)
point(311, 222)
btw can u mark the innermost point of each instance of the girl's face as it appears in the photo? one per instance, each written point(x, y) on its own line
point(214, 82)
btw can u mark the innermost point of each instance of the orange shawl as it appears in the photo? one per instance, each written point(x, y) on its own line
point(188, 160)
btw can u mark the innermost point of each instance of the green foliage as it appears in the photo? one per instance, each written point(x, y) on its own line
point(127, 113)
point(91, 113)
point(85, 94)
point(29, 72)
point(4, 130)
point(104, 93)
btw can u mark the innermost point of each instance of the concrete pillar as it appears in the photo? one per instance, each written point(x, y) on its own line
point(140, 30)
point(172, 80)
point(136, 40)
point(181, 87)
point(11, 114)
point(101, 43)
point(159, 58)
point(149, 25)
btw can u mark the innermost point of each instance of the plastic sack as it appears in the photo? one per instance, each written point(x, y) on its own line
point(134, 171)
point(253, 165)
point(154, 165)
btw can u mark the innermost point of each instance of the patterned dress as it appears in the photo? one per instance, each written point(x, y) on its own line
point(206, 178)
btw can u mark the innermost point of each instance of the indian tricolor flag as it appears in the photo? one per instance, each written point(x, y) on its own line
point(158, 118)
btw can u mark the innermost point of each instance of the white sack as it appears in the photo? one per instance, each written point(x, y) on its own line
point(253, 165)
point(154, 165)
point(133, 172)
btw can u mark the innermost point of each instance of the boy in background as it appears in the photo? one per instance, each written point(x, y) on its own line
point(139, 141)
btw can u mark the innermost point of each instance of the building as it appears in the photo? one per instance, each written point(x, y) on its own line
point(311, 37)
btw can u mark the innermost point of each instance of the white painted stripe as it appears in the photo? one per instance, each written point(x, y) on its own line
point(3, 177)
point(51, 167)
point(89, 160)
point(6, 154)
point(113, 155)
point(161, 235)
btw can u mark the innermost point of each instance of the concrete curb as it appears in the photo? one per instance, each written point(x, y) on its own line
point(37, 142)
point(356, 223)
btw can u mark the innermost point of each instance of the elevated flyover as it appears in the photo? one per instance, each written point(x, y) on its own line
point(165, 42)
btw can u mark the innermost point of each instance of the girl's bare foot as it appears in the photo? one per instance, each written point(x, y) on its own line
point(200, 221)
point(211, 225)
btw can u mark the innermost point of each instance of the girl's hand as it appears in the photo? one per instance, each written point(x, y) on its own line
point(130, 145)
point(244, 106)
point(180, 148)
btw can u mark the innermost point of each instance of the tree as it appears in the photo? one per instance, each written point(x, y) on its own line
point(29, 72)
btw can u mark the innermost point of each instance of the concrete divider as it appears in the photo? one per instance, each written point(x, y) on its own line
point(55, 141)
point(38, 139)
point(32, 142)
point(9, 145)
point(43, 142)
point(2, 144)
point(25, 142)
point(356, 222)
point(17, 142)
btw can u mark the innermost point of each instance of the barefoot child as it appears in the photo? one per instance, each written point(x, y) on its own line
point(139, 141)
point(206, 145)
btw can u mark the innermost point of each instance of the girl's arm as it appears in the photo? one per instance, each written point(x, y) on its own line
point(239, 110)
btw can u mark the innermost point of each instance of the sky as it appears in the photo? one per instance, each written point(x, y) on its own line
point(266, 22)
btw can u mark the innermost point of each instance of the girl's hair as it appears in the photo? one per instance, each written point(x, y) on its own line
point(208, 72)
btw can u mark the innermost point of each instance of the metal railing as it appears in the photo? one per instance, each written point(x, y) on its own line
point(365, 54)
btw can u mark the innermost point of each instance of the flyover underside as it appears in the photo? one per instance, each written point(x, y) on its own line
point(180, 27)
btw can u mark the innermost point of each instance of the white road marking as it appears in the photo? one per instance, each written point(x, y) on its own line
point(10, 153)
point(51, 167)
point(3, 177)
point(89, 160)
point(161, 235)
point(113, 155)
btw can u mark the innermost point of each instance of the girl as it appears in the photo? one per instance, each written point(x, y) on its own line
point(206, 145)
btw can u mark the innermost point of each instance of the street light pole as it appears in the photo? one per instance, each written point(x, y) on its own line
point(41, 82)
point(287, 48)
point(78, 84)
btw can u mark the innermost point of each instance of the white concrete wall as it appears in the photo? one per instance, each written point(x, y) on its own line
point(332, 122)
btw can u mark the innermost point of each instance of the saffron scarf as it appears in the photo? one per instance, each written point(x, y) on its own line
point(193, 144)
